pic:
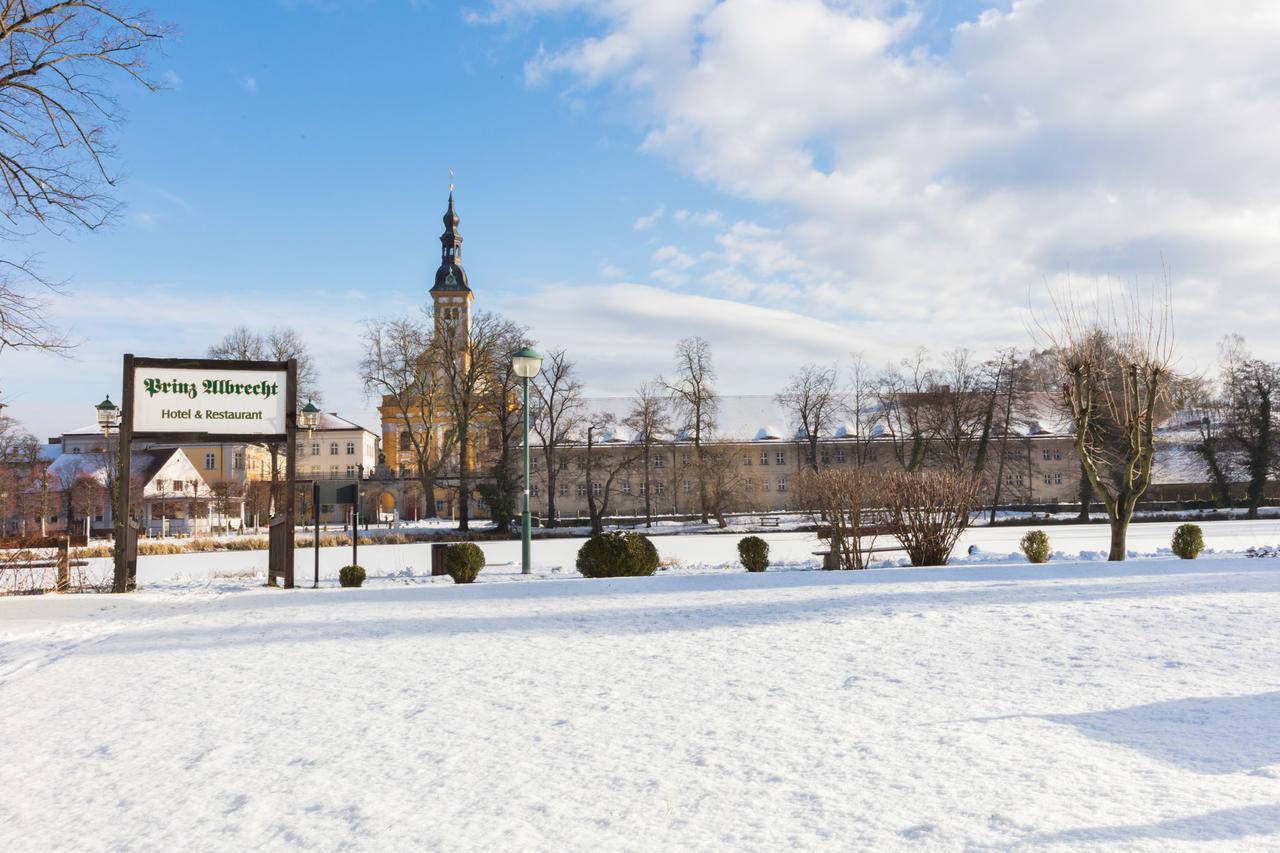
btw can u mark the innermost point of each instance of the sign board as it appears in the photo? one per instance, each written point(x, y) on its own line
point(337, 492)
point(210, 401)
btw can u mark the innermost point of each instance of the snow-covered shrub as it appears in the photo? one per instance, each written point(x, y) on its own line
point(463, 561)
point(754, 553)
point(1035, 544)
point(616, 555)
point(351, 576)
point(1188, 541)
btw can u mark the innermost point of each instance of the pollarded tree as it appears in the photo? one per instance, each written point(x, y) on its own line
point(812, 401)
point(1114, 362)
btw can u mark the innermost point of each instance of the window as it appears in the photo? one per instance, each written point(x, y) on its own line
point(562, 490)
point(333, 448)
point(1057, 479)
point(1057, 454)
point(660, 487)
point(764, 457)
point(1046, 454)
point(1048, 479)
point(1013, 479)
point(748, 484)
point(686, 485)
point(351, 470)
point(782, 457)
point(351, 448)
point(684, 459)
point(746, 460)
point(659, 462)
point(782, 484)
point(210, 462)
point(237, 460)
point(301, 448)
point(405, 440)
point(533, 490)
point(825, 458)
point(839, 455)
point(597, 489)
point(333, 471)
point(75, 450)
point(439, 507)
point(644, 489)
point(177, 485)
point(626, 488)
point(582, 490)
point(315, 448)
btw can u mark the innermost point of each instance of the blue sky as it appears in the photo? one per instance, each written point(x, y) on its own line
point(794, 180)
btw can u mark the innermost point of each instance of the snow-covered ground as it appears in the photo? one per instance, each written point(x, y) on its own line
point(683, 553)
point(1070, 706)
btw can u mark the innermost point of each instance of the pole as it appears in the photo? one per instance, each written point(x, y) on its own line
point(315, 511)
point(355, 517)
point(291, 460)
point(525, 531)
point(124, 436)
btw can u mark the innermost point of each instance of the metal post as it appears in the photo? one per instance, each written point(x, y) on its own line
point(315, 507)
point(355, 517)
point(291, 461)
point(526, 533)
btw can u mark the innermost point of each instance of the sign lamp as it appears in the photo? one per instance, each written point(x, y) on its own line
point(310, 416)
point(526, 364)
point(108, 415)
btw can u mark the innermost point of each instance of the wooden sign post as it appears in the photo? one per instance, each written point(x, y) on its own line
point(199, 401)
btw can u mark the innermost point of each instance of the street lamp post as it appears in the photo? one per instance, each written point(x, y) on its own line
point(526, 364)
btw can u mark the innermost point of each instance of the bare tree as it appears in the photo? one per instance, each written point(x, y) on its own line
point(847, 505)
point(500, 400)
point(556, 418)
point(280, 343)
point(902, 395)
point(719, 477)
point(1114, 360)
point(465, 369)
point(55, 113)
point(398, 368)
point(693, 394)
point(1250, 387)
point(651, 420)
point(930, 509)
point(812, 402)
point(602, 470)
point(862, 407)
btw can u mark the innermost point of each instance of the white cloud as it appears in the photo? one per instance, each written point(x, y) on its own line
point(250, 83)
point(704, 217)
point(932, 190)
point(644, 223)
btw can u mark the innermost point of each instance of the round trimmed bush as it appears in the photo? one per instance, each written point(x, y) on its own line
point(1035, 544)
point(754, 553)
point(1188, 541)
point(351, 576)
point(463, 561)
point(619, 554)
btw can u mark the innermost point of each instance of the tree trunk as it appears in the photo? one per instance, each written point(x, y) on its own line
point(1119, 537)
point(551, 490)
point(648, 506)
point(1086, 494)
point(464, 482)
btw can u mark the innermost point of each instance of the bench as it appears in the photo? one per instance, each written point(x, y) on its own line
point(767, 521)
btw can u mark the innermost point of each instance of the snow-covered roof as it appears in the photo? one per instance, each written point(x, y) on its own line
point(759, 417)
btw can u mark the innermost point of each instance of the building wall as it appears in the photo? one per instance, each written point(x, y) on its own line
point(1036, 470)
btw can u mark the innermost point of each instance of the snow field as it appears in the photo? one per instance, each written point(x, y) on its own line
point(1067, 706)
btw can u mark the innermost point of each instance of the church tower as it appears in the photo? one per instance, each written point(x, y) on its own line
point(450, 295)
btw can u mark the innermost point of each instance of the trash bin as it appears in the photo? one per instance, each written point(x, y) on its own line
point(437, 558)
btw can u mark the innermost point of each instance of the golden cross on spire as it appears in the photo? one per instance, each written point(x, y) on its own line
point(451, 182)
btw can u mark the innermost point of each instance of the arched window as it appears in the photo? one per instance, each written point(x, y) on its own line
point(405, 441)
